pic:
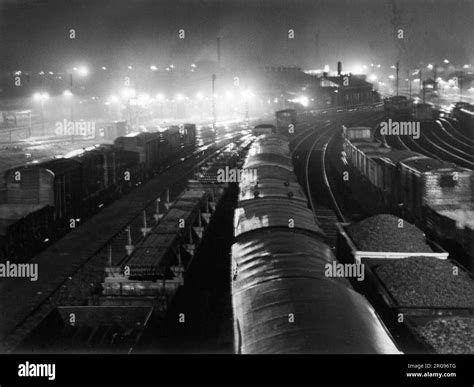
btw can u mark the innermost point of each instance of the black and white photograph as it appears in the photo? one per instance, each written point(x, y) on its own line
point(212, 189)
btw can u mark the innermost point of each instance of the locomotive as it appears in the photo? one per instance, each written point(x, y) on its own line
point(44, 199)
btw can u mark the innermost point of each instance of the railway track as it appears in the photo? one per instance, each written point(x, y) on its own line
point(309, 155)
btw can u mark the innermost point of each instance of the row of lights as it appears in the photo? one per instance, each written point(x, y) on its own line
point(130, 93)
point(84, 71)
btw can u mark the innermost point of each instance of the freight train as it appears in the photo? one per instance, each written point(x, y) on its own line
point(283, 300)
point(46, 198)
point(421, 189)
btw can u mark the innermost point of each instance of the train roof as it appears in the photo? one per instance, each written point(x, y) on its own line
point(274, 149)
point(267, 160)
point(265, 213)
point(272, 189)
point(274, 279)
point(279, 246)
point(57, 166)
point(332, 319)
point(275, 172)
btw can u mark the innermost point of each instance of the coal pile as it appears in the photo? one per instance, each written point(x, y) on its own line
point(452, 335)
point(427, 282)
point(382, 233)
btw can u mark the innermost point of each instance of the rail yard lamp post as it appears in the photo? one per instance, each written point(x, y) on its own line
point(81, 71)
point(41, 97)
point(214, 102)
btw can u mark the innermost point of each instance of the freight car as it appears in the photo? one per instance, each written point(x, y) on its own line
point(59, 192)
point(414, 186)
point(285, 121)
point(263, 129)
point(282, 300)
point(423, 111)
point(398, 107)
point(109, 131)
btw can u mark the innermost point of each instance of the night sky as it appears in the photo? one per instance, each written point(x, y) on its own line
point(34, 33)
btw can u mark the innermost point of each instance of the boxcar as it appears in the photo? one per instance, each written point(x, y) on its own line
point(398, 106)
point(56, 182)
point(285, 121)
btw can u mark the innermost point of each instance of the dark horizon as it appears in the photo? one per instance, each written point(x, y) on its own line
point(34, 33)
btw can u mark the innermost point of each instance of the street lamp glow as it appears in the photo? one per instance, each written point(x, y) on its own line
point(446, 61)
point(247, 94)
point(153, 68)
point(82, 71)
point(128, 92)
point(199, 96)
point(430, 66)
point(303, 100)
point(172, 66)
point(113, 99)
point(372, 77)
point(143, 99)
point(104, 68)
point(392, 67)
point(391, 76)
point(41, 96)
point(50, 73)
point(326, 68)
point(193, 65)
point(67, 93)
point(160, 97)
point(466, 66)
point(130, 67)
point(179, 97)
point(378, 66)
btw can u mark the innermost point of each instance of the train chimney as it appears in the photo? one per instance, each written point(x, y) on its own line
point(339, 68)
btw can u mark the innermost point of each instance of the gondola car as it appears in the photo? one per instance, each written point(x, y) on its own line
point(282, 300)
point(417, 187)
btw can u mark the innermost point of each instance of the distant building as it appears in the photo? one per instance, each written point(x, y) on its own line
point(345, 89)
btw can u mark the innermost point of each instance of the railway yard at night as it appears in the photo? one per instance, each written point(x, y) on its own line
point(178, 179)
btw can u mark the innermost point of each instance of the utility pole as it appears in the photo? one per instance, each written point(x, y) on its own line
point(398, 71)
point(409, 83)
point(461, 76)
point(219, 51)
point(72, 108)
point(214, 102)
